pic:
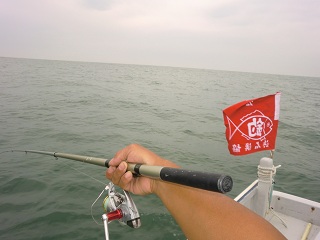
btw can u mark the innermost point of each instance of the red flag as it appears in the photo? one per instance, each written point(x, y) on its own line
point(252, 124)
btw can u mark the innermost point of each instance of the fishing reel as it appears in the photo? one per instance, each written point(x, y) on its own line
point(119, 206)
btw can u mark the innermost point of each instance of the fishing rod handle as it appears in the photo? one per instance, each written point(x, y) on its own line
point(203, 180)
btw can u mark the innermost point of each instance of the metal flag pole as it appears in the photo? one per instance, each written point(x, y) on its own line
point(203, 180)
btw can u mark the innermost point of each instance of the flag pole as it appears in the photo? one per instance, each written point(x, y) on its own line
point(271, 153)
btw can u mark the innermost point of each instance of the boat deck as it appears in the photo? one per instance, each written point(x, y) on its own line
point(295, 217)
point(301, 216)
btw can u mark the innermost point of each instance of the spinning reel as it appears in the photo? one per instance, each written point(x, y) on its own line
point(119, 207)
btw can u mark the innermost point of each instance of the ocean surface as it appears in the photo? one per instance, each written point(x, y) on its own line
point(96, 109)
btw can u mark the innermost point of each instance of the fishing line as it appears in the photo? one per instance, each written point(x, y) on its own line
point(83, 173)
point(105, 189)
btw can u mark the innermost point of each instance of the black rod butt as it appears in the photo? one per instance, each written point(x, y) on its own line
point(203, 180)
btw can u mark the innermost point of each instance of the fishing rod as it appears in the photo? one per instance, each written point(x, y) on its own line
point(120, 206)
point(197, 179)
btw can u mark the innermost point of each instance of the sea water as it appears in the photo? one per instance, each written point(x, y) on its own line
point(96, 109)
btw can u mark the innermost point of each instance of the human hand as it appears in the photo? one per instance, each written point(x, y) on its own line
point(134, 153)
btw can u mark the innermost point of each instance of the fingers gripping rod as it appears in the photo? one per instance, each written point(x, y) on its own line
point(203, 180)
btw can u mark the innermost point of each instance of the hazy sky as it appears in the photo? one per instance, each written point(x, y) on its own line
point(265, 36)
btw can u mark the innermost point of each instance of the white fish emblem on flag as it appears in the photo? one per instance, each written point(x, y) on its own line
point(253, 126)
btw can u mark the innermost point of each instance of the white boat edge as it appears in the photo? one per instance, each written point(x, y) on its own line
point(295, 217)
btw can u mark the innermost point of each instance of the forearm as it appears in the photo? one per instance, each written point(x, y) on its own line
point(208, 215)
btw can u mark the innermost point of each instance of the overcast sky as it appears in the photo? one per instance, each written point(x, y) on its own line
point(264, 36)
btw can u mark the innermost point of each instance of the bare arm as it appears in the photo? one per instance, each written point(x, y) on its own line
point(200, 214)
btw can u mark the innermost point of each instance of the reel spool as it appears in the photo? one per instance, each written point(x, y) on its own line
point(116, 201)
point(119, 207)
point(112, 203)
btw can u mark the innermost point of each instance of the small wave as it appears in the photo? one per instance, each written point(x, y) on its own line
point(22, 185)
